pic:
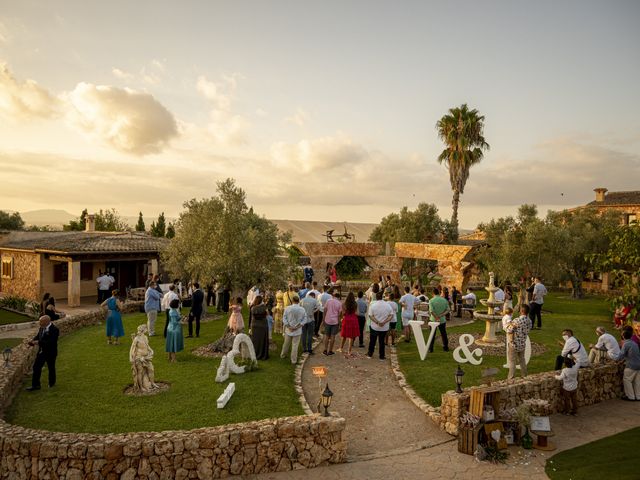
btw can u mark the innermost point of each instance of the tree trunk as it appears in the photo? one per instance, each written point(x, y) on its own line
point(454, 215)
point(576, 287)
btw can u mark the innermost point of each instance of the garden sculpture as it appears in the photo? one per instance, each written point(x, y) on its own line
point(140, 356)
point(242, 343)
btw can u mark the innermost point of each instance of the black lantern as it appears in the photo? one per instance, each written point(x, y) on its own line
point(459, 375)
point(6, 354)
point(327, 395)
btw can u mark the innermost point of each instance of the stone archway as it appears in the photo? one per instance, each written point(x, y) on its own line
point(455, 262)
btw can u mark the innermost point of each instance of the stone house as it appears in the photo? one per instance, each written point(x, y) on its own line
point(66, 264)
point(626, 203)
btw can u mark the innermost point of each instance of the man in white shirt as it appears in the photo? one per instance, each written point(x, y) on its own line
point(251, 296)
point(104, 282)
point(539, 291)
point(164, 304)
point(574, 348)
point(606, 345)
point(381, 315)
point(323, 298)
point(310, 305)
point(469, 298)
point(407, 301)
point(499, 296)
point(293, 320)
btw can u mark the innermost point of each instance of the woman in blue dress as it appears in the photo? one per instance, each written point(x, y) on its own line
point(115, 329)
point(175, 339)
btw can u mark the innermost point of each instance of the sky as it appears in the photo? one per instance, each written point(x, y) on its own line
point(319, 110)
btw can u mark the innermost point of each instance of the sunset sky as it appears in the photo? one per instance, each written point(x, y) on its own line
point(320, 110)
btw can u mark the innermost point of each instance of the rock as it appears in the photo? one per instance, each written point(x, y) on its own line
point(129, 474)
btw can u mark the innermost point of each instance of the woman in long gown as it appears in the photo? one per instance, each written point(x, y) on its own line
point(115, 329)
point(175, 338)
point(259, 328)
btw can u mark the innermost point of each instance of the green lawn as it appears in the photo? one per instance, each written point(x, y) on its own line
point(9, 342)
point(92, 375)
point(435, 375)
point(615, 457)
point(7, 317)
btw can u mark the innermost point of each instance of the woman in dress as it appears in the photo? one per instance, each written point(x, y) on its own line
point(236, 323)
point(259, 328)
point(175, 338)
point(350, 328)
point(115, 328)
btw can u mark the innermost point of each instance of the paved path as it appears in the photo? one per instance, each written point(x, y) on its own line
point(444, 460)
point(380, 417)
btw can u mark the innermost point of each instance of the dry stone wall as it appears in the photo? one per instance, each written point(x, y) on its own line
point(595, 384)
point(26, 275)
point(264, 446)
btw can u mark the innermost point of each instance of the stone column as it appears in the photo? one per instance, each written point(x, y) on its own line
point(605, 281)
point(73, 294)
point(154, 266)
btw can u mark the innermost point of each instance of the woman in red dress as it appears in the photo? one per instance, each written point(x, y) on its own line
point(350, 329)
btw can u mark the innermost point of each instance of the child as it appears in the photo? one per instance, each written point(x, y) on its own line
point(569, 377)
point(506, 318)
point(236, 324)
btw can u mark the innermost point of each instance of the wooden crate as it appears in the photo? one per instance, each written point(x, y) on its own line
point(484, 396)
point(468, 440)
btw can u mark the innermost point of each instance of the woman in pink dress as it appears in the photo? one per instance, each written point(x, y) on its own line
point(236, 324)
point(350, 329)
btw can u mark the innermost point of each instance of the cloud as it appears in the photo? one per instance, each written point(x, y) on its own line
point(24, 99)
point(226, 127)
point(121, 74)
point(150, 74)
point(261, 113)
point(130, 121)
point(324, 153)
point(299, 118)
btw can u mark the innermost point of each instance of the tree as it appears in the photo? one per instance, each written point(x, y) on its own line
point(461, 130)
point(11, 221)
point(78, 224)
point(159, 228)
point(105, 221)
point(221, 237)
point(171, 230)
point(140, 227)
point(622, 261)
point(423, 225)
point(573, 236)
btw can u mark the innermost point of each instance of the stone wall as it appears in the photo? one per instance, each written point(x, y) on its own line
point(255, 447)
point(264, 446)
point(595, 384)
point(383, 266)
point(26, 275)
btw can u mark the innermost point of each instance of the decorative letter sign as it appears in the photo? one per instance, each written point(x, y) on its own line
point(466, 341)
point(416, 326)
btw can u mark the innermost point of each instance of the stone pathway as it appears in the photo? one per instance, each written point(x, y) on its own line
point(444, 460)
point(381, 420)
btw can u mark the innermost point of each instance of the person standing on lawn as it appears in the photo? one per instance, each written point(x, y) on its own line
point(332, 312)
point(175, 339)
point(439, 308)
point(165, 305)
point(197, 300)
point(630, 353)
point(380, 315)
point(407, 302)
point(537, 299)
point(47, 341)
point(310, 305)
point(517, 331)
point(152, 307)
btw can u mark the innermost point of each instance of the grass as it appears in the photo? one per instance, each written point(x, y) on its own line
point(9, 342)
point(435, 375)
point(615, 455)
point(7, 317)
point(92, 375)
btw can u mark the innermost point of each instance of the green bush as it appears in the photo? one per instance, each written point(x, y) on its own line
point(14, 303)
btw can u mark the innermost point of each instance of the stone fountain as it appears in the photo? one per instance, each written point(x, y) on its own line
point(491, 319)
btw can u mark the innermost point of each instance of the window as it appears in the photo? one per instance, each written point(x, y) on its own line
point(86, 271)
point(632, 219)
point(7, 267)
point(60, 272)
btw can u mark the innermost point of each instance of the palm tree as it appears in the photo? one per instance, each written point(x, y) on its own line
point(461, 131)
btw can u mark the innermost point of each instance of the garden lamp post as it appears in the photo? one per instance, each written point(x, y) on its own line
point(459, 375)
point(327, 395)
point(6, 354)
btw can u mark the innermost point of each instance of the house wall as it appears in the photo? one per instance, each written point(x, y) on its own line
point(59, 290)
point(26, 275)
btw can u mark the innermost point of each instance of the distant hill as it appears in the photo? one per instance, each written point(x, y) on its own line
point(55, 218)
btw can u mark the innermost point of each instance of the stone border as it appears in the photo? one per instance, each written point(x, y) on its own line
point(263, 446)
point(298, 378)
point(11, 327)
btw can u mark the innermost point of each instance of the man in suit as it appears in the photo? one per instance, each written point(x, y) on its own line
point(47, 341)
point(197, 300)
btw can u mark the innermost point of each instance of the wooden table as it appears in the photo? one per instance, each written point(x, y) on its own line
point(542, 440)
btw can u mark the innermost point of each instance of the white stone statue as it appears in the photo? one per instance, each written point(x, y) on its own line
point(241, 344)
point(140, 356)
